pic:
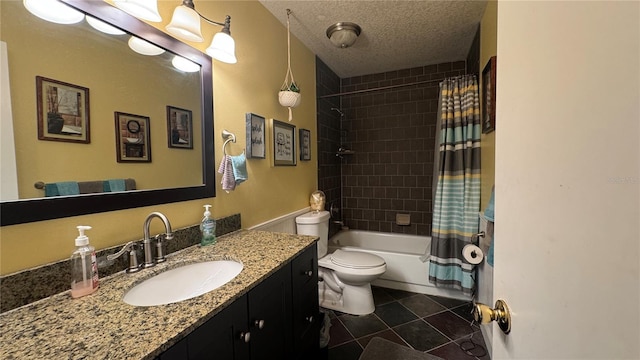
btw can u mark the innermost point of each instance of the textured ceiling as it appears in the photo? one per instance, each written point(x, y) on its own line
point(395, 34)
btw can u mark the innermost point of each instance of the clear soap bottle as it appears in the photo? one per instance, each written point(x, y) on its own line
point(208, 228)
point(84, 267)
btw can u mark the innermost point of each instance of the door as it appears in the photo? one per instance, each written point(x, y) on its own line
point(567, 179)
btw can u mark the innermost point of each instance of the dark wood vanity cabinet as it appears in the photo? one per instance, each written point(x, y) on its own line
point(277, 319)
point(306, 321)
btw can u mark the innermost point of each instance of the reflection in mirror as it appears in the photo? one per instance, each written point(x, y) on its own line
point(117, 80)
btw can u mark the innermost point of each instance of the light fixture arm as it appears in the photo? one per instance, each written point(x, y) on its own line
point(226, 26)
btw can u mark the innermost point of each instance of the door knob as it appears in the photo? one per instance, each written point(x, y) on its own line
point(483, 314)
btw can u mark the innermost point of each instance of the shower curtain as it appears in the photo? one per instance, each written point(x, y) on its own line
point(457, 193)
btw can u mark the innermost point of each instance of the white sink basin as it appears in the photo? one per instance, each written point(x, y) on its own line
point(183, 283)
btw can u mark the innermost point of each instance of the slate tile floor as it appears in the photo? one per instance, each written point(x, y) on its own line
point(431, 324)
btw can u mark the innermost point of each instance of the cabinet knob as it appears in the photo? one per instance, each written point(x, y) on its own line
point(259, 324)
point(245, 336)
point(309, 273)
point(309, 318)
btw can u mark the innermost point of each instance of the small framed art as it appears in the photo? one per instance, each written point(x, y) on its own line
point(255, 136)
point(179, 128)
point(133, 140)
point(305, 145)
point(63, 111)
point(489, 96)
point(284, 151)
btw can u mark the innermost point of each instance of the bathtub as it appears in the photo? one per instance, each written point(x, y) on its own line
point(402, 254)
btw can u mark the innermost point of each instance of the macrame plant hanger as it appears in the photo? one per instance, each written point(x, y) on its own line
point(289, 95)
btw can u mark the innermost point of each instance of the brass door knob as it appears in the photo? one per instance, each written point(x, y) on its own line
point(483, 314)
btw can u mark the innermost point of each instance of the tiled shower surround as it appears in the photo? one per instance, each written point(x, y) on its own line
point(392, 133)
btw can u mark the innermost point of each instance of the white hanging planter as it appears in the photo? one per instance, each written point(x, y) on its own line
point(289, 95)
point(289, 98)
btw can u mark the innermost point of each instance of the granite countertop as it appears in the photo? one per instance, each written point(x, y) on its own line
point(102, 326)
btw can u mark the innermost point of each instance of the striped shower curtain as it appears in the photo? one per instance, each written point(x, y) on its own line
point(457, 194)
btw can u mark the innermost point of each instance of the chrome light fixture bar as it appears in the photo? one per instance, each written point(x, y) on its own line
point(185, 25)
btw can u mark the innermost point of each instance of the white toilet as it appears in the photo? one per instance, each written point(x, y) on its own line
point(344, 277)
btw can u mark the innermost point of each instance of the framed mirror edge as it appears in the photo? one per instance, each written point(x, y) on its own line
point(40, 209)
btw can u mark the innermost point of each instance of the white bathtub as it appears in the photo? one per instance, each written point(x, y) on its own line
point(402, 254)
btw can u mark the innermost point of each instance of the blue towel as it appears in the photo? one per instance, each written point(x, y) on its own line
point(489, 214)
point(239, 168)
point(61, 188)
point(489, 211)
point(114, 185)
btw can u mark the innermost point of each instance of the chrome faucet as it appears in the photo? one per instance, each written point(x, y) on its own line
point(149, 260)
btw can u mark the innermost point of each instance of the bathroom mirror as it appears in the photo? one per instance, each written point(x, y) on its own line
point(167, 161)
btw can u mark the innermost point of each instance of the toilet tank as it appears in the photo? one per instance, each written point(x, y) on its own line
point(315, 224)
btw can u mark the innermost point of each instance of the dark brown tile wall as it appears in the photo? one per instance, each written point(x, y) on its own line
point(392, 132)
point(328, 83)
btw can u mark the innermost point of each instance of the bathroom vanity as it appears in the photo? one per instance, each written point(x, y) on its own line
point(270, 310)
point(278, 319)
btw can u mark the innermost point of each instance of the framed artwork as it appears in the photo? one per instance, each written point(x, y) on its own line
point(179, 128)
point(305, 145)
point(255, 136)
point(133, 143)
point(284, 151)
point(489, 96)
point(63, 111)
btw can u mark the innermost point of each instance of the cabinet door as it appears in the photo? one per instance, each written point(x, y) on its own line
point(270, 317)
point(177, 352)
point(306, 321)
point(223, 336)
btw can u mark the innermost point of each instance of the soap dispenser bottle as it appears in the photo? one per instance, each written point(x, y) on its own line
point(208, 228)
point(84, 268)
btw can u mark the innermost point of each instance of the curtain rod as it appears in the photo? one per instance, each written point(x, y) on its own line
point(380, 88)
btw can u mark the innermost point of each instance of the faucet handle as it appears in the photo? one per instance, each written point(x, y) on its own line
point(159, 250)
point(133, 256)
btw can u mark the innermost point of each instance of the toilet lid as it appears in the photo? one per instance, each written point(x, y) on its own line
point(356, 259)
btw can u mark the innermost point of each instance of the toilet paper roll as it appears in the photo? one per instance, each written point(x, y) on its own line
point(472, 254)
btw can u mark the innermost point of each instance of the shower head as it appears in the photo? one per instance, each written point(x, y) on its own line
point(339, 111)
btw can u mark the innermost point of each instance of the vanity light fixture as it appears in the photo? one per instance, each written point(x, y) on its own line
point(185, 25)
point(185, 65)
point(343, 34)
point(53, 11)
point(144, 47)
point(103, 26)
point(142, 9)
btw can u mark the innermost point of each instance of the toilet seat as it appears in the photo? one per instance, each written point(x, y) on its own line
point(356, 259)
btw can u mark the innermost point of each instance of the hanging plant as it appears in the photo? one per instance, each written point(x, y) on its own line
point(289, 95)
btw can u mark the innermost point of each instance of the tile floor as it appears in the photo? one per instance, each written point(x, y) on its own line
point(432, 324)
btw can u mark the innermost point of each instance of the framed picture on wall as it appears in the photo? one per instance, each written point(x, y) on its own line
point(63, 111)
point(489, 96)
point(133, 141)
point(284, 151)
point(305, 145)
point(179, 128)
point(255, 148)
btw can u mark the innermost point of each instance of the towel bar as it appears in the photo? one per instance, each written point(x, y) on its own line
point(229, 137)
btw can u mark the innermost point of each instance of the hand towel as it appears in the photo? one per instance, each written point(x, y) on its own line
point(226, 169)
point(61, 188)
point(239, 168)
point(114, 185)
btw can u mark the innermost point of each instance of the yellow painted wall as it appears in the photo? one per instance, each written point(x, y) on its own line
point(251, 85)
point(488, 48)
point(118, 79)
